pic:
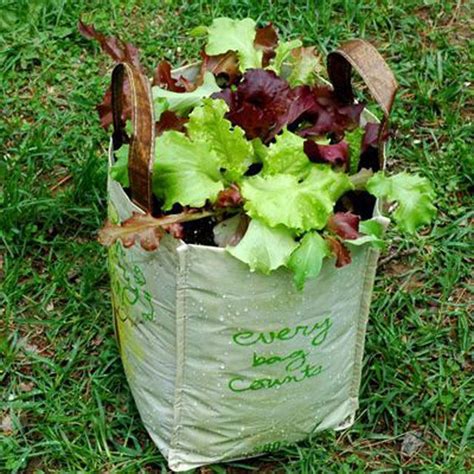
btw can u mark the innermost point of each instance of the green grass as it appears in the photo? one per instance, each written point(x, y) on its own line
point(62, 384)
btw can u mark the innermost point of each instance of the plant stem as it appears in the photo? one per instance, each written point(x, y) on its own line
point(182, 217)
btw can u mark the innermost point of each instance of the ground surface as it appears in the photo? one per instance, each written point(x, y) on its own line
point(64, 403)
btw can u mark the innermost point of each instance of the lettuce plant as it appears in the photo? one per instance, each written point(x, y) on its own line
point(262, 147)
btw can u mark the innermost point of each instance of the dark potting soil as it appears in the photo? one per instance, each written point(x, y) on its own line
point(200, 232)
point(360, 203)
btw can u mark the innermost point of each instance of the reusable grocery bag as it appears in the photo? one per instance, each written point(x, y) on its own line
point(224, 363)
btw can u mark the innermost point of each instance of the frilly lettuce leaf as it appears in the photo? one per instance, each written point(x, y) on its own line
point(185, 172)
point(354, 139)
point(146, 229)
point(371, 232)
point(307, 260)
point(120, 52)
point(224, 66)
point(266, 40)
point(264, 248)
point(324, 113)
point(339, 250)
point(336, 154)
point(226, 34)
point(373, 227)
point(260, 104)
point(299, 205)
point(282, 53)
point(259, 149)
point(229, 197)
point(413, 194)
point(207, 124)
point(182, 102)
point(305, 65)
point(371, 136)
point(163, 77)
point(345, 225)
point(286, 155)
point(169, 121)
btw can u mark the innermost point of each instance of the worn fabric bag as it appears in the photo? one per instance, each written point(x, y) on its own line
point(224, 363)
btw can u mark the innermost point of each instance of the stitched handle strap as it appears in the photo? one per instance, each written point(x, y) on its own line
point(141, 153)
point(373, 69)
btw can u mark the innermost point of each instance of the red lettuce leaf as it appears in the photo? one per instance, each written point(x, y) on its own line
point(266, 39)
point(104, 109)
point(118, 50)
point(229, 197)
point(263, 103)
point(176, 230)
point(170, 121)
point(259, 105)
point(188, 85)
point(345, 225)
point(340, 251)
point(337, 154)
point(142, 228)
point(224, 66)
point(162, 78)
point(146, 229)
point(369, 157)
point(371, 136)
point(327, 115)
point(302, 101)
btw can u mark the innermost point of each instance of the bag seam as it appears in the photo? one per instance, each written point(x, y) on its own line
point(180, 347)
point(364, 309)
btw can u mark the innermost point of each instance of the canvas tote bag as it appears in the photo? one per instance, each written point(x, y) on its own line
point(224, 363)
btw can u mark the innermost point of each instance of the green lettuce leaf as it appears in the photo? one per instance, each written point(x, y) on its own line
point(413, 194)
point(287, 155)
point(119, 170)
point(160, 105)
point(354, 140)
point(297, 204)
point(259, 149)
point(305, 65)
point(182, 102)
point(207, 124)
point(282, 53)
point(185, 172)
point(226, 34)
point(372, 232)
point(307, 260)
point(264, 248)
point(372, 227)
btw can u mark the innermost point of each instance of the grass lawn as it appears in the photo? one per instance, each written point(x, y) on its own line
point(64, 402)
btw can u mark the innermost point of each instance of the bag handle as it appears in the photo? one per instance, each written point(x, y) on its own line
point(373, 69)
point(142, 142)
